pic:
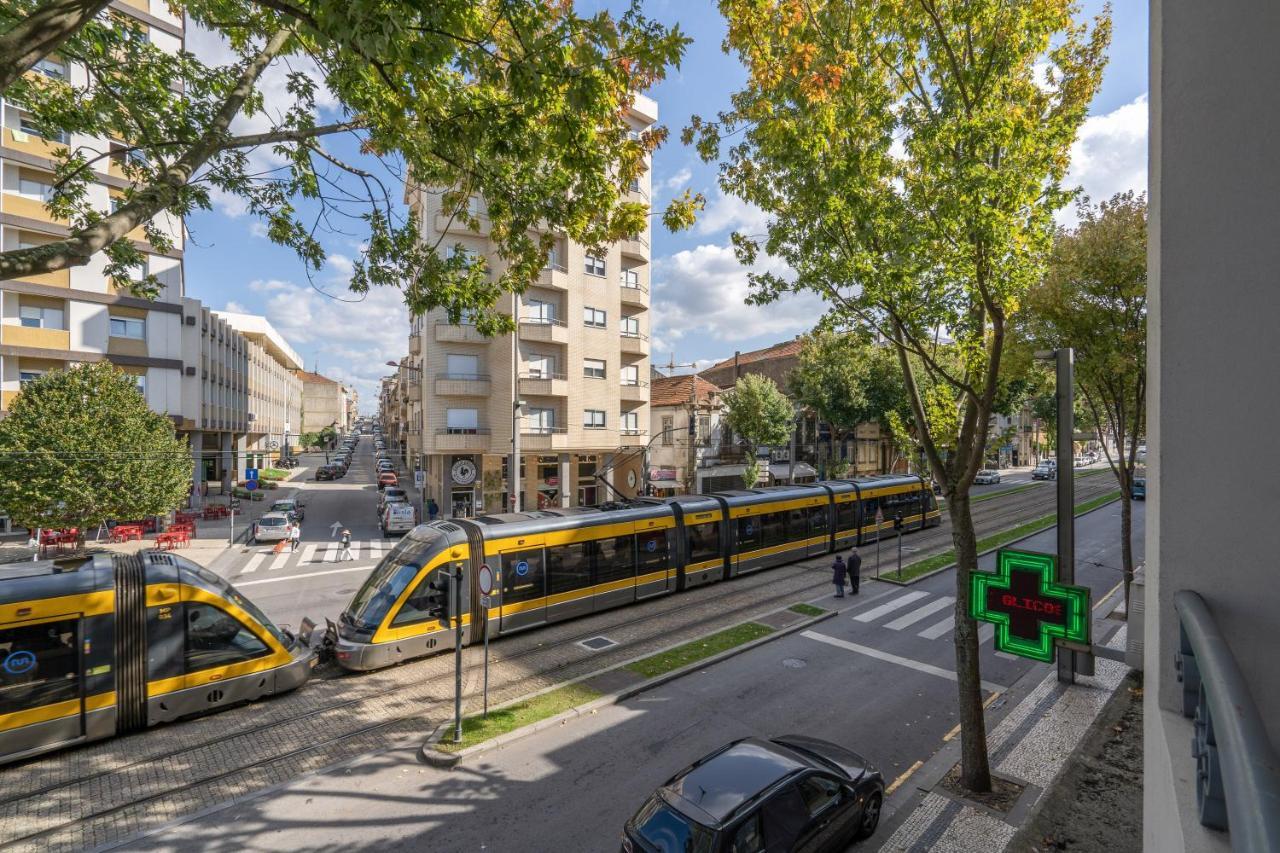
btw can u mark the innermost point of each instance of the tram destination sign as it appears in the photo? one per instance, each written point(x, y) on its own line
point(1028, 606)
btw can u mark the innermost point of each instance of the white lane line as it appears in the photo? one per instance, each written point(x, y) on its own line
point(920, 613)
point(986, 632)
point(308, 553)
point(279, 562)
point(355, 549)
point(252, 565)
point(936, 631)
point(896, 604)
point(364, 568)
point(918, 666)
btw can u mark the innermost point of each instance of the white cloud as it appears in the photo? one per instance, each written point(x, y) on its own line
point(269, 285)
point(701, 293)
point(1110, 155)
point(236, 308)
point(730, 213)
point(679, 179)
point(258, 228)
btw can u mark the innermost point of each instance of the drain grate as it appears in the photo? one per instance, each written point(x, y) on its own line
point(596, 644)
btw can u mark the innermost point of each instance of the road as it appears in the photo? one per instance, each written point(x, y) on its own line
point(876, 678)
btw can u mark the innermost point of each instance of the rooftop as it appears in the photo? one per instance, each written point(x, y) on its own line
point(315, 378)
point(782, 350)
point(261, 332)
point(677, 390)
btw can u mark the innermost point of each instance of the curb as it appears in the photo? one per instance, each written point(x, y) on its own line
point(435, 757)
point(949, 566)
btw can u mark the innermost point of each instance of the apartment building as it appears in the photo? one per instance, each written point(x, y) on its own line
point(325, 403)
point(215, 391)
point(274, 390)
point(574, 379)
point(76, 315)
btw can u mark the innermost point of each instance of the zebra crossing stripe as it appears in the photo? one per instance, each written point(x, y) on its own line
point(331, 555)
point(935, 631)
point(355, 550)
point(252, 565)
point(375, 550)
point(279, 561)
point(308, 553)
point(890, 606)
point(920, 613)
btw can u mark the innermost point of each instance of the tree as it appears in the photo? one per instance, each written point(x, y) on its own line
point(760, 414)
point(909, 156)
point(309, 440)
point(80, 446)
point(520, 102)
point(1094, 299)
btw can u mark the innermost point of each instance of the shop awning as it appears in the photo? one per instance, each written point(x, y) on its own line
point(783, 471)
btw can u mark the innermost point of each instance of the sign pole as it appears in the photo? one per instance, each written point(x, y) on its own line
point(484, 580)
point(899, 552)
point(1069, 663)
point(456, 577)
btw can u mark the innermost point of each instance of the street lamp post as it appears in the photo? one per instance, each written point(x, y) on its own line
point(513, 467)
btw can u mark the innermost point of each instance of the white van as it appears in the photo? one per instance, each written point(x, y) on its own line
point(399, 518)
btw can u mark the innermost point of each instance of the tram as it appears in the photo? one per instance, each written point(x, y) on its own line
point(111, 644)
point(556, 564)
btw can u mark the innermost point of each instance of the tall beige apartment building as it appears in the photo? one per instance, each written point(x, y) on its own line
point(579, 365)
point(76, 315)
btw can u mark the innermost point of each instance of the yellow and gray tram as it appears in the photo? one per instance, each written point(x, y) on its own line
point(556, 564)
point(111, 644)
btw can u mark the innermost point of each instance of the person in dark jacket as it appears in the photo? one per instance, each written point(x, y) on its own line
point(855, 570)
point(837, 575)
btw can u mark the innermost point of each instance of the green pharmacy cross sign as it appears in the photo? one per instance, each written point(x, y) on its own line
point(1029, 608)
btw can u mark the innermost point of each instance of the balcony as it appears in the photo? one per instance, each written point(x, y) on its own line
point(637, 249)
point(455, 225)
point(415, 344)
point(544, 330)
point(635, 294)
point(544, 385)
point(413, 393)
point(634, 344)
point(31, 208)
point(463, 385)
point(27, 336)
point(635, 392)
point(554, 276)
point(631, 437)
point(448, 333)
point(543, 438)
point(460, 439)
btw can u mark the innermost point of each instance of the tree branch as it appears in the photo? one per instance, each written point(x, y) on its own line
point(40, 33)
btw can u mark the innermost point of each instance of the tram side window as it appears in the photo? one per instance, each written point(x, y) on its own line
point(846, 515)
point(748, 533)
point(819, 521)
point(526, 585)
point(774, 528)
point(165, 639)
point(797, 524)
point(704, 541)
point(216, 638)
point(615, 558)
point(909, 504)
point(652, 547)
point(39, 665)
point(568, 567)
point(415, 605)
point(869, 507)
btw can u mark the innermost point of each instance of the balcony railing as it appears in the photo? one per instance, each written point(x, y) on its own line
point(1237, 770)
point(464, 333)
point(534, 437)
point(545, 329)
point(462, 384)
point(634, 294)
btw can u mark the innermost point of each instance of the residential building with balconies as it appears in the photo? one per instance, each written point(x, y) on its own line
point(578, 362)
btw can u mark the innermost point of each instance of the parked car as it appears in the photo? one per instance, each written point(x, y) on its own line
point(385, 465)
point(289, 505)
point(1044, 471)
point(272, 527)
point(389, 495)
point(386, 478)
point(1080, 462)
point(326, 472)
point(1139, 490)
point(789, 793)
point(986, 477)
point(398, 517)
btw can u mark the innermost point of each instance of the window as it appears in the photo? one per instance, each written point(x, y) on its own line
point(537, 311)
point(652, 547)
point(748, 534)
point(629, 422)
point(784, 817)
point(668, 430)
point(631, 327)
point(614, 558)
point(31, 186)
point(52, 68)
point(38, 317)
point(594, 265)
point(215, 638)
point(27, 124)
point(593, 368)
point(415, 606)
point(818, 793)
point(540, 421)
point(541, 366)
point(629, 278)
point(25, 376)
point(704, 428)
point(587, 467)
point(703, 541)
point(595, 318)
point(524, 585)
point(461, 421)
point(748, 838)
point(129, 327)
point(587, 496)
point(568, 567)
point(631, 375)
point(846, 516)
point(41, 665)
point(634, 186)
point(462, 365)
point(593, 419)
point(667, 831)
point(140, 382)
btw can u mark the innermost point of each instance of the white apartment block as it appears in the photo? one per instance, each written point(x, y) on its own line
point(579, 364)
point(274, 400)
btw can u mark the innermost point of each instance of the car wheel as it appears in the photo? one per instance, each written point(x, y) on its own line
point(870, 817)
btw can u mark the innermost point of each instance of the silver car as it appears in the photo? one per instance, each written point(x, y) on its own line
point(986, 477)
point(272, 527)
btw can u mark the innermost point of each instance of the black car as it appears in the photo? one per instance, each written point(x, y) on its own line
point(326, 472)
point(754, 795)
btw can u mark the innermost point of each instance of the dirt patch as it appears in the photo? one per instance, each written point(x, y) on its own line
point(1001, 797)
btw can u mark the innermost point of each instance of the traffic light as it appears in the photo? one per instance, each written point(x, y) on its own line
point(897, 521)
point(437, 603)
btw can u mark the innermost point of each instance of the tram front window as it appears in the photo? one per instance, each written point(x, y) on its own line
point(389, 580)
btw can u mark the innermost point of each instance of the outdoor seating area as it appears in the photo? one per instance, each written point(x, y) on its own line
point(60, 539)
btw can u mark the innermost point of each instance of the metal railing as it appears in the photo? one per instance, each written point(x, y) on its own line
point(541, 321)
point(1237, 770)
point(639, 336)
point(538, 374)
point(462, 431)
point(555, 266)
point(634, 383)
point(543, 430)
point(464, 377)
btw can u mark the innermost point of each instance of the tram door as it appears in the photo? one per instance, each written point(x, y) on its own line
point(40, 675)
point(524, 588)
point(819, 530)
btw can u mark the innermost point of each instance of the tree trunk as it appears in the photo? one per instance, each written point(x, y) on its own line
point(975, 769)
point(1126, 539)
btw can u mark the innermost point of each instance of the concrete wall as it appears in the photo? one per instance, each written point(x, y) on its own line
point(1214, 349)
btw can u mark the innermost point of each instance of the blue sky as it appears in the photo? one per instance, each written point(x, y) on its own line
point(698, 287)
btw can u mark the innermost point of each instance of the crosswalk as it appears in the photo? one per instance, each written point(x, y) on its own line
point(264, 559)
point(924, 605)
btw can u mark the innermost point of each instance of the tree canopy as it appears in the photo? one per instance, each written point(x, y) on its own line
point(523, 103)
point(758, 412)
point(80, 446)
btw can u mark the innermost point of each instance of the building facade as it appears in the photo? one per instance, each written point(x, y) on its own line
point(77, 315)
point(579, 365)
point(680, 459)
point(324, 403)
point(215, 391)
point(273, 390)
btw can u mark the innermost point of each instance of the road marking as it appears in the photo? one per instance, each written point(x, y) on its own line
point(918, 666)
point(896, 604)
point(986, 632)
point(252, 565)
point(897, 783)
point(920, 613)
point(355, 550)
point(375, 550)
point(331, 555)
point(935, 631)
point(308, 575)
point(308, 553)
point(280, 560)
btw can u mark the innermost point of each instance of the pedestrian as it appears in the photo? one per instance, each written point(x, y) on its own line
point(295, 533)
point(432, 509)
point(855, 570)
point(346, 547)
point(837, 575)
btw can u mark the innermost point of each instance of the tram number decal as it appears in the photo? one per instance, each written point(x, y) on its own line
point(19, 663)
point(651, 545)
point(522, 568)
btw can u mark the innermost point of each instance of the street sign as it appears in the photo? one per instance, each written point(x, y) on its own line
point(273, 445)
point(485, 602)
point(251, 473)
point(1028, 606)
point(251, 484)
point(485, 577)
point(419, 478)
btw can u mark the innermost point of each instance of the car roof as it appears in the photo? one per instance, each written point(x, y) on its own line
point(712, 790)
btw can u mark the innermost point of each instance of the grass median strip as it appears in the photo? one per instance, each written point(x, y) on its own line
point(995, 540)
point(697, 650)
point(477, 729)
point(806, 609)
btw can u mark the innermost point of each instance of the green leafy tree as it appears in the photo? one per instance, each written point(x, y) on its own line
point(80, 446)
point(520, 102)
point(309, 439)
point(760, 414)
point(1094, 299)
point(909, 155)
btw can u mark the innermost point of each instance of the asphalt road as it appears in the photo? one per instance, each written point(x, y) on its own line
point(876, 678)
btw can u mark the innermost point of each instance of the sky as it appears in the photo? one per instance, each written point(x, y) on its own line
point(698, 287)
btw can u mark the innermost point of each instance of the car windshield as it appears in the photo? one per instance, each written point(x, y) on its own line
point(271, 521)
point(669, 831)
point(389, 579)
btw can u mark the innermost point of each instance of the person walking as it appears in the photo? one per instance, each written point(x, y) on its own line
point(346, 547)
point(295, 533)
point(837, 575)
point(432, 509)
point(855, 570)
